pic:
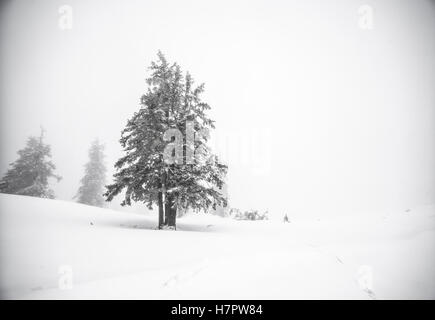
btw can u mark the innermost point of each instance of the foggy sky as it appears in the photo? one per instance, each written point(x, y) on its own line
point(314, 115)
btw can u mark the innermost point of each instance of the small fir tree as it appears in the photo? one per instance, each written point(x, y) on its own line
point(92, 184)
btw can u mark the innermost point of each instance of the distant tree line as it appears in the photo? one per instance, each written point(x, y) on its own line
point(29, 175)
point(248, 215)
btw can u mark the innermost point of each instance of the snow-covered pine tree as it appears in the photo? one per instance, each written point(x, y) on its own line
point(30, 172)
point(170, 102)
point(92, 184)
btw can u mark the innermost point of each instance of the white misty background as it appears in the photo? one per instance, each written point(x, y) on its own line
point(347, 114)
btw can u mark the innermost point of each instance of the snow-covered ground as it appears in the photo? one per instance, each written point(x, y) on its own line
point(63, 250)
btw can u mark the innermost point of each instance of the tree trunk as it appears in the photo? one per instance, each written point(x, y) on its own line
point(165, 218)
point(160, 204)
point(170, 208)
point(167, 209)
point(170, 211)
point(173, 218)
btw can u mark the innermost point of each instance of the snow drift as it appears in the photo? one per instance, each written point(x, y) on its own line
point(52, 249)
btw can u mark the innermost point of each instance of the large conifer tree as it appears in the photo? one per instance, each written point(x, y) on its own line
point(171, 102)
point(30, 173)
